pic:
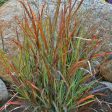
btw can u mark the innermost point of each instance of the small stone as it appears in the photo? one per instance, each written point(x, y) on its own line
point(107, 84)
point(106, 70)
point(3, 91)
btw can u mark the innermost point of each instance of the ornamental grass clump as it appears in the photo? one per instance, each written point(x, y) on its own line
point(48, 70)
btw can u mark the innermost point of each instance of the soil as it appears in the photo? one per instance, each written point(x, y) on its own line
point(105, 102)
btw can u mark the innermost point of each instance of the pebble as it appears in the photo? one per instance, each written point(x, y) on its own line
point(3, 91)
point(106, 70)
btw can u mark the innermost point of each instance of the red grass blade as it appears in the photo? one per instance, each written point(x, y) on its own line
point(85, 99)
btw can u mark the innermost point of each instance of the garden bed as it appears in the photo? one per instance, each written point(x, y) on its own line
point(52, 73)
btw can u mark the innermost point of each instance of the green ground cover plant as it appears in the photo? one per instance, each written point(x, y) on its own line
point(48, 72)
point(2, 2)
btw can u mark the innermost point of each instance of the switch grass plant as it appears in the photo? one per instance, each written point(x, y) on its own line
point(46, 72)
